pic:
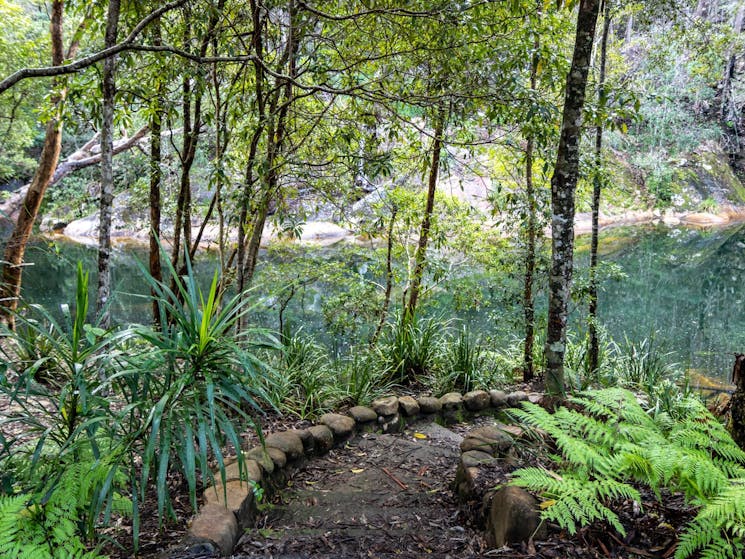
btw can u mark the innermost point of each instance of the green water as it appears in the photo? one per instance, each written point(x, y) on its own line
point(684, 289)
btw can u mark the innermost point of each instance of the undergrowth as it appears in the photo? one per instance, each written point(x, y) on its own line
point(608, 442)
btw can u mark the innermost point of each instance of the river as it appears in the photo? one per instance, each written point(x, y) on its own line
point(683, 289)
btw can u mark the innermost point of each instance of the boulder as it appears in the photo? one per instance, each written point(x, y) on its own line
point(261, 456)
point(489, 439)
point(498, 398)
point(514, 399)
point(342, 426)
point(386, 406)
point(323, 438)
point(513, 517)
point(288, 442)
point(215, 523)
point(235, 496)
point(475, 458)
point(428, 404)
point(451, 401)
point(363, 414)
point(251, 472)
point(476, 400)
point(306, 438)
point(278, 457)
point(409, 406)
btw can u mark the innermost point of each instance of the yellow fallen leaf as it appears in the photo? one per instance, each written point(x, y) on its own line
point(545, 504)
point(357, 470)
point(420, 436)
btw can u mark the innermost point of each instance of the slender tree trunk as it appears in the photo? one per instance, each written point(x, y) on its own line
point(420, 258)
point(107, 168)
point(156, 176)
point(10, 288)
point(275, 134)
point(388, 279)
point(531, 233)
point(563, 186)
point(597, 183)
point(728, 111)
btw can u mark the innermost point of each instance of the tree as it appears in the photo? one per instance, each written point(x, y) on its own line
point(597, 183)
point(10, 288)
point(563, 186)
point(108, 87)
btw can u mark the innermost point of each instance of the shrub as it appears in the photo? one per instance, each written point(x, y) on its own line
point(611, 441)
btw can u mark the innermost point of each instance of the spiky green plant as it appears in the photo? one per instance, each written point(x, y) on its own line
point(411, 346)
point(199, 383)
point(608, 440)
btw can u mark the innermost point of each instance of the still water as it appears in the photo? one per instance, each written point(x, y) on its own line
point(684, 289)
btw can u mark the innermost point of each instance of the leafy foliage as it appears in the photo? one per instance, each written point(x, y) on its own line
point(608, 440)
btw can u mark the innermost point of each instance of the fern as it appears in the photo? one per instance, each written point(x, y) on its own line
point(719, 528)
point(613, 440)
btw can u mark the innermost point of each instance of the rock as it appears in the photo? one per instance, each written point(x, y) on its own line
point(498, 398)
point(341, 426)
point(475, 458)
point(451, 401)
point(489, 439)
point(288, 442)
point(514, 431)
point(513, 518)
point(261, 456)
point(216, 523)
point(428, 404)
point(323, 438)
point(476, 400)
point(363, 414)
point(251, 471)
point(409, 406)
point(390, 423)
point(386, 406)
point(306, 438)
point(236, 496)
point(535, 397)
point(278, 457)
point(514, 399)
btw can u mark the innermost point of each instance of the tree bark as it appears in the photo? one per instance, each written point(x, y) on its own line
point(107, 168)
point(10, 288)
point(156, 177)
point(388, 278)
point(597, 183)
point(563, 186)
point(737, 403)
point(420, 258)
point(532, 226)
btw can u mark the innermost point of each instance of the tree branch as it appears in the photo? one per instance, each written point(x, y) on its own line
point(89, 60)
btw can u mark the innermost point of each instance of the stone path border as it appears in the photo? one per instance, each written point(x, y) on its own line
point(230, 506)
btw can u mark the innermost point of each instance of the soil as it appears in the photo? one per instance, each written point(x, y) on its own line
point(378, 496)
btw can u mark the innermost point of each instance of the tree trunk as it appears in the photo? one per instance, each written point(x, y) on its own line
point(728, 111)
point(107, 168)
point(597, 183)
point(10, 288)
point(388, 278)
point(420, 258)
point(531, 233)
point(737, 403)
point(156, 176)
point(563, 186)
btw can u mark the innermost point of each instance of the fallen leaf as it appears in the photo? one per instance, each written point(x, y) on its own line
point(420, 436)
point(357, 470)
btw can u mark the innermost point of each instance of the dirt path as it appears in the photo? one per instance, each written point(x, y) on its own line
point(378, 496)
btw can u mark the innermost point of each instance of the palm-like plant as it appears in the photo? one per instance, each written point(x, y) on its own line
point(202, 382)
